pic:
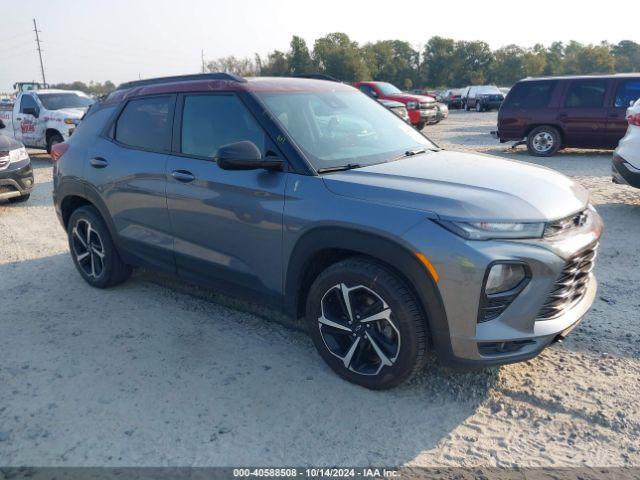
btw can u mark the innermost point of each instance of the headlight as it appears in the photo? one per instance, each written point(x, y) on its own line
point(71, 121)
point(504, 277)
point(18, 155)
point(488, 230)
point(412, 105)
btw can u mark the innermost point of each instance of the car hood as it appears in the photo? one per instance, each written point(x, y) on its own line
point(71, 112)
point(8, 143)
point(463, 186)
point(404, 98)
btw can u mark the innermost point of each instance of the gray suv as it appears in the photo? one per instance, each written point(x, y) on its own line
point(308, 196)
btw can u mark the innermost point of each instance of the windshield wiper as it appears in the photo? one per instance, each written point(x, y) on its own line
point(339, 168)
point(409, 153)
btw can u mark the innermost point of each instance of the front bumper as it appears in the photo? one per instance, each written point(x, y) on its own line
point(16, 180)
point(423, 116)
point(519, 332)
point(624, 173)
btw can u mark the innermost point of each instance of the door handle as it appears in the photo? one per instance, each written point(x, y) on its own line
point(98, 162)
point(183, 176)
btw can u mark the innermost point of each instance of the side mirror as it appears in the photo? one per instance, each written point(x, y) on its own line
point(31, 111)
point(244, 155)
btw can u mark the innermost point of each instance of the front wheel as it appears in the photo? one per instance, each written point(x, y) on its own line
point(543, 141)
point(366, 323)
point(53, 140)
point(420, 126)
point(93, 251)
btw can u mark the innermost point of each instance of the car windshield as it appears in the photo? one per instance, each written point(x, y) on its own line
point(342, 128)
point(489, 90)
point(388, 89)
point(57, 101)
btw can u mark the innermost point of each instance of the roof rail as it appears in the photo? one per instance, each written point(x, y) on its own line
point(183, 78)
point(317, 76)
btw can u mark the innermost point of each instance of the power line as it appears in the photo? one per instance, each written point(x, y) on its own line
point(35, 29)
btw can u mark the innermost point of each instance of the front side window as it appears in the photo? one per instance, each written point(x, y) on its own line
point(586, 94)
point(628, 91)
point(367, 90)
point(211, 121)
point(336, 128)
point(27, 101)
point(58, 101)
point(145, 123)
point(532, 94)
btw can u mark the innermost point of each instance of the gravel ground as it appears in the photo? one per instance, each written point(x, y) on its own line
point(157, 373)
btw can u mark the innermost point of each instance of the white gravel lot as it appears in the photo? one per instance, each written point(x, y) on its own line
point(158, 373)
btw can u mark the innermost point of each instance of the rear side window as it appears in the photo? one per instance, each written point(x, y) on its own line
point(532, 94)
point(628, 91)
point(145, 123)
point(210, 121)
point(586, 94)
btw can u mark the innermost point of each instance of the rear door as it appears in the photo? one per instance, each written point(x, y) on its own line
point(583, 112)
point(627, 91)
point(126, 167)
point(227, 225)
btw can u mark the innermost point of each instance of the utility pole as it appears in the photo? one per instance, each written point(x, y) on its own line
point(35, 29)
point(202, 55)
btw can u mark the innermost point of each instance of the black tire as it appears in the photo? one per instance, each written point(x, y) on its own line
point(52, 140)
point(544, 141)
point(99, 272)
point(420, 126)
point(403, 340)
point(20, 199)
point(479, 107)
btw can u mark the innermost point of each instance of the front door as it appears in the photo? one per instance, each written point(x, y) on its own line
point(627, 92)
point(129, 174)
point(28, 129)
point(583, 115)
point(227, 225)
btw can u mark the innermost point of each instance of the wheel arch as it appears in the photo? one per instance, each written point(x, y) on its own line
point(321, 247)
point(82, 196)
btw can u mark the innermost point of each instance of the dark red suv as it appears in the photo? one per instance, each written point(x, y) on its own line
point(557, 112)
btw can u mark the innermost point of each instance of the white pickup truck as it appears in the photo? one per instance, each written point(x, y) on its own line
point(42, 118)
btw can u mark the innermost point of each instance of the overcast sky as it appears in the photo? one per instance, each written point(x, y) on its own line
point(119, 40)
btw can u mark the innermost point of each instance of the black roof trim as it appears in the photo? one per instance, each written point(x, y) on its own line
point(183, 78)
point(317, 76)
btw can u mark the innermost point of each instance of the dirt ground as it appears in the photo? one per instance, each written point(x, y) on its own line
point(157, 373)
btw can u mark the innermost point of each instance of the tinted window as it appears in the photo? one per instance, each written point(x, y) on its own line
point(586, 94)
point(27, 101)
point(145, 123)
point(531, 94)
point(210, 121)
point(366, 89)
point(628, 91)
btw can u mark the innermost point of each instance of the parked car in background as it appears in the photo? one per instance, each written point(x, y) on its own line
point(453, 98)
point(398, 108)
point(422, 109)
point(504, 90)
point(575, 111)
point(626, 158)
point(443, 111)
point(483, 98)
point(16, 173)
point(464, 93)
point(306, 196)
point(42, 118)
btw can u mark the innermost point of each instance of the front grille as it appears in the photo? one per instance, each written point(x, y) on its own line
point(500, 348)
point(571, 285)
point(427, 105)
point(4, 159)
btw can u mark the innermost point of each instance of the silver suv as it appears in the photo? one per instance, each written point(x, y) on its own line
point(308, 196)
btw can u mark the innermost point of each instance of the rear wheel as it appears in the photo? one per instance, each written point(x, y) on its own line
point(366, 323)
point(92, 249)
point(543, 141)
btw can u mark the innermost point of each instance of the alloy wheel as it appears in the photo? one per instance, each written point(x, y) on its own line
point(543, 142)
point(357, 326)
point(88, 248)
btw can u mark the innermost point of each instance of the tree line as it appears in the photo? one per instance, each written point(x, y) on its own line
point(442, 62)
point(94, 88)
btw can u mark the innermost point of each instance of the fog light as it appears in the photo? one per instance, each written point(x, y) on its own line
point(504, 277)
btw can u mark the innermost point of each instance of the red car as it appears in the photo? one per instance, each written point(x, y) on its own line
point(422, 109)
